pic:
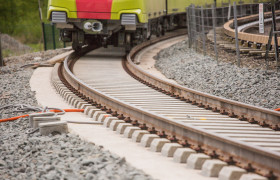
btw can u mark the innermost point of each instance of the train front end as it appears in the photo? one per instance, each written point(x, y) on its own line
point(96, 21)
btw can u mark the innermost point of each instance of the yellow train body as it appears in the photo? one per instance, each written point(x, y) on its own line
point(107, 19)
point(144, 9)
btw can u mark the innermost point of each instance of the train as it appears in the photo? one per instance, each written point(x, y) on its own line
point(119, 22)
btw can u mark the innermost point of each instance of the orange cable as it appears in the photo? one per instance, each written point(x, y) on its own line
point(13, 118)
point(22, 116)
point(68, 110)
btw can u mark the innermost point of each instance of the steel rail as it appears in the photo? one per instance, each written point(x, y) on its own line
point(243, 111)
point(265, 160)
point(257, 38)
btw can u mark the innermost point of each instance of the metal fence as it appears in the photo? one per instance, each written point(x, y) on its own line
point(51, 37)
point(205, 26)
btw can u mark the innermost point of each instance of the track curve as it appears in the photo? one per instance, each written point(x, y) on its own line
point(256, 38)
point(210, 132)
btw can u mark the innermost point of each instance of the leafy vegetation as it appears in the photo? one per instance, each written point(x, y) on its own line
point(20, 19)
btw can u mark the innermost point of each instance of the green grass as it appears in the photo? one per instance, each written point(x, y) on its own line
point(36, 47)
point(7, 53)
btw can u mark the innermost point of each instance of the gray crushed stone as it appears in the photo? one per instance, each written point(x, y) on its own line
point(66, 156)
point(8, 42)
point(14, 80)
point(251, 86)
point(32, 156)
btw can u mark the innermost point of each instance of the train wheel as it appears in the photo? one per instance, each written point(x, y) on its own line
point(76, 45)
point(159, 30)
point(128, 42)
point(165, 27)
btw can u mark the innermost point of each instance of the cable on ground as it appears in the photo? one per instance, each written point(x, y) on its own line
point(23, 108)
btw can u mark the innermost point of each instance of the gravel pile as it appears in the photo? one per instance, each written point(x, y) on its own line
point(252, 86)
point(32, 156)
point(29, 58)
point(8, 42)
point(14, 80)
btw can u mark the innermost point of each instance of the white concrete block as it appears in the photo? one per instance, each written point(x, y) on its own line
point(168, 149)
point(48, 128)
point(121, 127)
point(55, 87)
point(31, 116)
point(252, 176)
point(70, 97)
point(129, 131)
point(61, 89)
point(138, 134)
point(79, 105)
point(231, 173)
point(147, 139)
point(196, 160)
point(67, 97)
point(92, 111)
point(66, 91)
point(212, 168)
point(157, 144)
point(114, 124)
point(38, 120)
point(61, 86)
point(97, 114)
point(66, 94)
point(85, 105)
point(182, 154)
point(77, 101)
point(54, 83)
point(74, 101)
point(87, 109)
point(102, 117)
point(108, 121)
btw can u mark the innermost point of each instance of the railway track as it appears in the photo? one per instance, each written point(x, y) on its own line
point(170, 118)
point(248, 37)
point(252, 43)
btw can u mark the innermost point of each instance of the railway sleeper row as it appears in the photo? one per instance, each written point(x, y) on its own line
point(195, 99)
point(192, 154)
point(186, 138)
point(202, 105)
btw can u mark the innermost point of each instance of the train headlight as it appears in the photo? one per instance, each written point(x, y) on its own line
point(87, 25)
point(97, 26)
point(92, 26)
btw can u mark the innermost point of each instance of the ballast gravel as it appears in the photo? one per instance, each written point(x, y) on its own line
point(14, 80)
point(32, 156)
point(251, 86)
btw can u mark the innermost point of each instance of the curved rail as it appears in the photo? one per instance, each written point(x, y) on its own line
point(257, 38)
point(224, 147)
point(233, 108)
